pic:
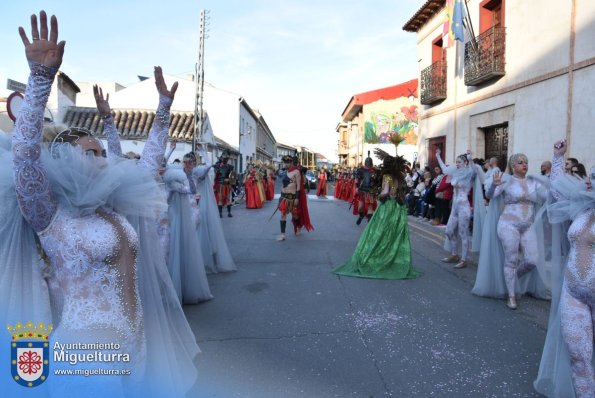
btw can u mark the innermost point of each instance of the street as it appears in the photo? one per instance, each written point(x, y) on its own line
point(285, 326)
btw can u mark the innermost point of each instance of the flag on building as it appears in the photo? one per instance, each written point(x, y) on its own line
point(457, 21)
point(447, 35)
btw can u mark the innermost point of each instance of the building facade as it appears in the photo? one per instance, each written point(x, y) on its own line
point(374, 118)
point(231, 125)
point(522, 79)
point(265, 141)
point(306, 157)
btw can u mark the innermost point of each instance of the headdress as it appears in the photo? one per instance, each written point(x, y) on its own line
point(394, 166)
point(287, 159)
point(368, 162)
point(224, 156)
point(70, 135)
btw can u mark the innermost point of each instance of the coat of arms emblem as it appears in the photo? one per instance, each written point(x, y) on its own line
point(29, 353)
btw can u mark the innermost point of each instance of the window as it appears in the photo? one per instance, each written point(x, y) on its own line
point(491, 15)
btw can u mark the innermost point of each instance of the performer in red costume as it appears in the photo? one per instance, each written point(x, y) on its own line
point(224, 179)
point(321, 191)
point(253, 200)
point(338, 184)
point(293, 198)
point(366, 197)
point(270, 183)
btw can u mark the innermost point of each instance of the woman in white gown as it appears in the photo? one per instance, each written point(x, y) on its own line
point(185, 262)
point(215, 251)
point(94, 220)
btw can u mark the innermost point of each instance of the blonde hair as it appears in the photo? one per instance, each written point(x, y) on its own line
point(513, 159)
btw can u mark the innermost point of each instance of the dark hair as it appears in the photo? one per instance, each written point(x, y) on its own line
point(581, 170)
point(574, 161)
point(191, 156)
point(464, 158)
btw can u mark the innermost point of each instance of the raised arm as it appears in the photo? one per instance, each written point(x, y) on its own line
point(496, 187)
point(114, 149)
point(440, 162)
point(154, 149)
point(44, 55)
point(201, 171)
point(172, 146)
point(557, 166)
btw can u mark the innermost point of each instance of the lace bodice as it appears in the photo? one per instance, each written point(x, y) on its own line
point(92, 258)
point(93, 261)
point(580, 268)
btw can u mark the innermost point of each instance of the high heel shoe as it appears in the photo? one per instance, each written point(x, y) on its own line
point(511, 303)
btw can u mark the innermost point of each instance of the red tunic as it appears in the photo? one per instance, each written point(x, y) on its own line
point(321, 184)
point(252, 196)
point(270, 187)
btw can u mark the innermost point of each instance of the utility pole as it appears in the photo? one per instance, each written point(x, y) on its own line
point(199, 81)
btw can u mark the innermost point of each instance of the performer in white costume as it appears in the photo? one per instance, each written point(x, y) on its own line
point(518, 252)
point(94, 219)
point(568, 350)
point(185, 263)
point(215, 251)
point(462, 177)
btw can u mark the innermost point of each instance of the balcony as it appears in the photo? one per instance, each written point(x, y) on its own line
point(433, 83)
point(485, 58)
point(343, 148)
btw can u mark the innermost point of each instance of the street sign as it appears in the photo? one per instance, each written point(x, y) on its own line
point(13, 105)
point(13, 85)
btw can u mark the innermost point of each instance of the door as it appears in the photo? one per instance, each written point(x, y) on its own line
point(433, 144)
point(496, 139)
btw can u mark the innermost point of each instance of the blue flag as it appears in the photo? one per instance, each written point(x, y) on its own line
point(457, 21)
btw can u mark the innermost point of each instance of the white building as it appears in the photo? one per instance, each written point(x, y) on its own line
point(62, 96)
point(524, 81)
point(232, 120)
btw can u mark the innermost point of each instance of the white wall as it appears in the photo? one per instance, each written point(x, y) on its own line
point(536, 45)
point(248, 135)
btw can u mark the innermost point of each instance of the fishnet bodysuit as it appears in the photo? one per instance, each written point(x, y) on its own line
point(514, 226)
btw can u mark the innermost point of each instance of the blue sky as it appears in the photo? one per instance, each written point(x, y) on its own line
point(298, 62)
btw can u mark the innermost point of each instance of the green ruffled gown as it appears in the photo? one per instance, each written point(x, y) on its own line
point(384, 249)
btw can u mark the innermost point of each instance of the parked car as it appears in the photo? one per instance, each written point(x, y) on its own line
point(311, 178)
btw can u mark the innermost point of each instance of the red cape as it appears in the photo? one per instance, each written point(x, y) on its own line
point(304, 220)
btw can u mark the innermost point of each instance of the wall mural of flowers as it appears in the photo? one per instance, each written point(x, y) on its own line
point(381, 126)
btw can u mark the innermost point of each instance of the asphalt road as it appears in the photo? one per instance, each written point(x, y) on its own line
point(285, 326)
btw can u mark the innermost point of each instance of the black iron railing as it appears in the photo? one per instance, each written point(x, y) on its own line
point(433, 83)
point(485, 57)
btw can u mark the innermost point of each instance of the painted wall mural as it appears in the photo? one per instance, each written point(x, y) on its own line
point(382, 125)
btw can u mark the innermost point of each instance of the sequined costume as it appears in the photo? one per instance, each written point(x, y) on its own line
point(520, 196)
point(577, 300)
point(462, 181)
point(92, 232)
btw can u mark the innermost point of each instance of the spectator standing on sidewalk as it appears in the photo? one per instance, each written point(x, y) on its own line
point(443, 200)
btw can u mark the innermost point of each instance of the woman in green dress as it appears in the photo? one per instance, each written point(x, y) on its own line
point(384, 249)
